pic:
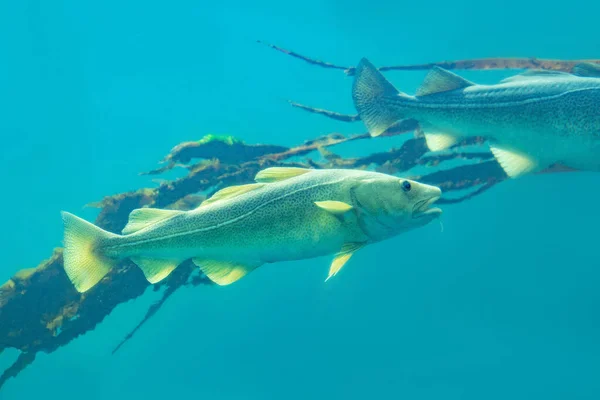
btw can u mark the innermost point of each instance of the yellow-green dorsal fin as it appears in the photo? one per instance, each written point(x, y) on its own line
point(223, 272)
point(276, 174)
point(154, 269)
point(143, 217)
point(513, 163)
point(438, 141)
point(334, 207)
point(439, 80)
point(342, 257)
point(230, 192)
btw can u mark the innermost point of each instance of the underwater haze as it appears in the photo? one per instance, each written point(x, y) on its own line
point(501, 304)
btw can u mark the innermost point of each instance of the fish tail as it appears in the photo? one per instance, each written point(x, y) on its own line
point(371, 93)
point(84, 263)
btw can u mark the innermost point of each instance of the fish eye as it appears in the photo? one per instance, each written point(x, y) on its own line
point(406, 186)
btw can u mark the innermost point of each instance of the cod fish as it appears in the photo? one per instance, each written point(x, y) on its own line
point(288, 214)
point(532, 120)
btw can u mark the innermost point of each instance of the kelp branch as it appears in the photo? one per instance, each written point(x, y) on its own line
point(498, 63)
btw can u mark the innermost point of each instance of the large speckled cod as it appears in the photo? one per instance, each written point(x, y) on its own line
point(288, 214)
point(532, 120)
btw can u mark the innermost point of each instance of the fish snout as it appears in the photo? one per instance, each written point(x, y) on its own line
point(423, 207)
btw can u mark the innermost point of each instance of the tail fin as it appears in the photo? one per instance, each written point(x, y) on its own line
point(369, 92)
point(84, 265)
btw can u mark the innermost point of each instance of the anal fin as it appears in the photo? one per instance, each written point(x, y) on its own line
point(223, 272)
point(342, 258)
point(438, 141)
point(155, 269)
point(512, 162)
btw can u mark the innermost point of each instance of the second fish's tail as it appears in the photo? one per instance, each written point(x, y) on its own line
point(372, 95)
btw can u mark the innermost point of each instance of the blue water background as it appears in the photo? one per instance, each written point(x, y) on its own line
point(503, 304)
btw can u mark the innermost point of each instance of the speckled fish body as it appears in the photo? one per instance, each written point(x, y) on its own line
point(532, 120)
point(289, 214)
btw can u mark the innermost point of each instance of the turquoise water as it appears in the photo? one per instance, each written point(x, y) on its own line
point(502, 304)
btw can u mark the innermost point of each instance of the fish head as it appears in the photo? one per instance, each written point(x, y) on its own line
point(389, 205)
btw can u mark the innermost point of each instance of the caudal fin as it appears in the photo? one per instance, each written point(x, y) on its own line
point(83, 263)
point(370, 93)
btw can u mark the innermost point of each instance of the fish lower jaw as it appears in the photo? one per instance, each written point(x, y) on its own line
point(423, 209)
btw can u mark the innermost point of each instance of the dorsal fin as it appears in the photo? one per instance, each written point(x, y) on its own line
point(276, 174)
point(588, 70)
point(439, 80)
point(536, 73)
point(230, 192)
point(143, 217)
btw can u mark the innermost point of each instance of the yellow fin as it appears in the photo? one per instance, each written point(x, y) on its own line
point(513, 163)
point(143, 217)
point(334, 207)
point(223, 272)
point(230, 192)
point(439, 80)
point(84, 264)
point(342, 257)
point(155, 269)
point(276, 174)
point(439, 141)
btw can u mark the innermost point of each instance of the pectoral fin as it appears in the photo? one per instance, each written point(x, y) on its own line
point(512, 162)
point(334, 207)
point(155, 270)
point(342, 258)
point(223, 272)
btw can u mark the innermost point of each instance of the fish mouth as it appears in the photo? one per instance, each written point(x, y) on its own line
point(423, 208)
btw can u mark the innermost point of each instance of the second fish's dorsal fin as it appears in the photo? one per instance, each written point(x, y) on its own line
point(588, 70)
point(230, 192)
point(276, 174)
point(342, 258)
point(439, 80)
point(142, 217)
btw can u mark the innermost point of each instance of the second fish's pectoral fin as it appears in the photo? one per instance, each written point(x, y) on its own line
point(155, 269)
point(589, 70)
point(143, 217)
point(342, 258)
point(334, 207)
point(514, 163)
point(438, 141)
point(230, 192)
point(276, 174)
point(439, 80)
point(223, 272)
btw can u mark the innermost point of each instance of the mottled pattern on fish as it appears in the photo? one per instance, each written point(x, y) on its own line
point(532, 120)
point(290, 214)
point(272, 217)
